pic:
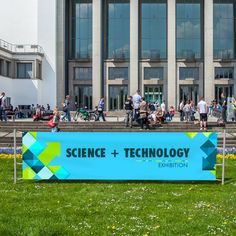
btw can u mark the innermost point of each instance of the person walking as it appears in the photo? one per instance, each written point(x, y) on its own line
point(203, 110)
point(136, 103)
point(129, 112)
point(66, 108)
point(144, 114)
point(101, 106)
point(3, 107)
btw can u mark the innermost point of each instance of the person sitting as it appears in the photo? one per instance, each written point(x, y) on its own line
point(171, 112)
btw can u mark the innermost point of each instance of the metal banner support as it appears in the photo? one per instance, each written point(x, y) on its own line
point(223, 159)
point(14, 134)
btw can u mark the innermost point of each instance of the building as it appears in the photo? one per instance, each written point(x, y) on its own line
point(170, 49)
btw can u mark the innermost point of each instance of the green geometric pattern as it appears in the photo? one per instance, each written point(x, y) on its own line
point(37, 158)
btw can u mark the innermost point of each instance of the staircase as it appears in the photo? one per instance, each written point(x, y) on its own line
point(6, 129)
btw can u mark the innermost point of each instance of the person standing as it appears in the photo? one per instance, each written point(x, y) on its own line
point(224, 107)
point(55, 120)
point(101, 107)
point(3, 107)
point(129, 112)
point(181, 110)
point(202, 109)
point(136, 103)
point(144, 114)
point(66, 108)
point(187, 111)
point(163, 107)
point(234, 109)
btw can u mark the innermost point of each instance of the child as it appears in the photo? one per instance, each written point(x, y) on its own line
point(55, 120)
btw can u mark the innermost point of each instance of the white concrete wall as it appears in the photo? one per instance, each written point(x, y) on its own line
point(19, 21)
point(47, 40)
point(31, 22)
point(21, 91)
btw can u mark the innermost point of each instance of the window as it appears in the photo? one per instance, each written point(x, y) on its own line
point(82, 29)
point(224, 72)
point(153, 29)
point(8, 69)
point(117, 97)
point(118, 27)
point(118, 73)
point(24, 71)
point(1, 67)
point(83, 73)
point(153, 73)
point(153, 94)
point(83, 96)
point(188, 73)
point(189, 18)
point(189, 92)
point(223, 29)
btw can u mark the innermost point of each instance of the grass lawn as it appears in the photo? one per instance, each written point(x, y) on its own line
point(75, 208)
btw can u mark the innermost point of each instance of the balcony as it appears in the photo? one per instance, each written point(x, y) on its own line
point(24, 48)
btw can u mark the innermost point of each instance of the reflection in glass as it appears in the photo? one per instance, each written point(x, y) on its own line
point(82, 29)
point(189, 28)
point(118, 73)
point(118, 29)
point(83, 73)
point(117, 97)
point(223, 29)
point(188, 73)
point(153, 29)
point(83, 96)
point(153, 94)
point(189, 92)
point(224, 72)
point(153, 73)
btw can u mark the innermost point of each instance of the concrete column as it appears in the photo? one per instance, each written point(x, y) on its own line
point(134, 46)
point(60, 51)
point(208, 52)
point(171, 70)
point(97, 51)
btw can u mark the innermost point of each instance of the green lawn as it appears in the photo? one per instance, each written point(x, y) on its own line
point(155, 208)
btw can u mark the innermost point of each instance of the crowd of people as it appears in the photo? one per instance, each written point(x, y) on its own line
point(137, 110)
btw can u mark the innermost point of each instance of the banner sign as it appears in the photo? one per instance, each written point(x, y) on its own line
point(119, 156)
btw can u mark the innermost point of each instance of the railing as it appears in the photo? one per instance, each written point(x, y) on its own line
point(23, 48)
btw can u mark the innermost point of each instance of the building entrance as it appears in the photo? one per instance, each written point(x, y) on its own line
point(189, 92)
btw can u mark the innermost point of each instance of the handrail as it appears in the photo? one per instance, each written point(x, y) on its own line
point(21, 48)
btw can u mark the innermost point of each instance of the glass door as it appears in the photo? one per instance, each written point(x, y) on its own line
point(189, 92)
point(153, 94)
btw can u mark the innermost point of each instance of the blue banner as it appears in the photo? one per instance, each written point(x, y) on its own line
point(119, 156)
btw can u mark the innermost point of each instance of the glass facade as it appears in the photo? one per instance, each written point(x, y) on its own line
point(153, 73)
point(83, 73)
point(224, 72)
point(224, 37)
point(83, 96)
point(24, 71)
point(118, 27)
point(189, 19)
point(153, 31)
point(188, 73)
point(81, 29)
point(226, 89)
point(153, 94)
point(118, 73)
point(117, 97)
point(189, 92)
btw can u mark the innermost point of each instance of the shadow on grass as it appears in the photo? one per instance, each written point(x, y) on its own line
point(216, 182)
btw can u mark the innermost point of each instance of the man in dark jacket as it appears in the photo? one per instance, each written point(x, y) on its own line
point(129, 112)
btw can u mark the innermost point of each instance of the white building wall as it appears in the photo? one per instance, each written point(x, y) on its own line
point(19, 21)
point(47, 40)
point(31, 22)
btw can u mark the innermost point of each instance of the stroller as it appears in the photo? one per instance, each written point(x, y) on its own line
point(217, 113)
